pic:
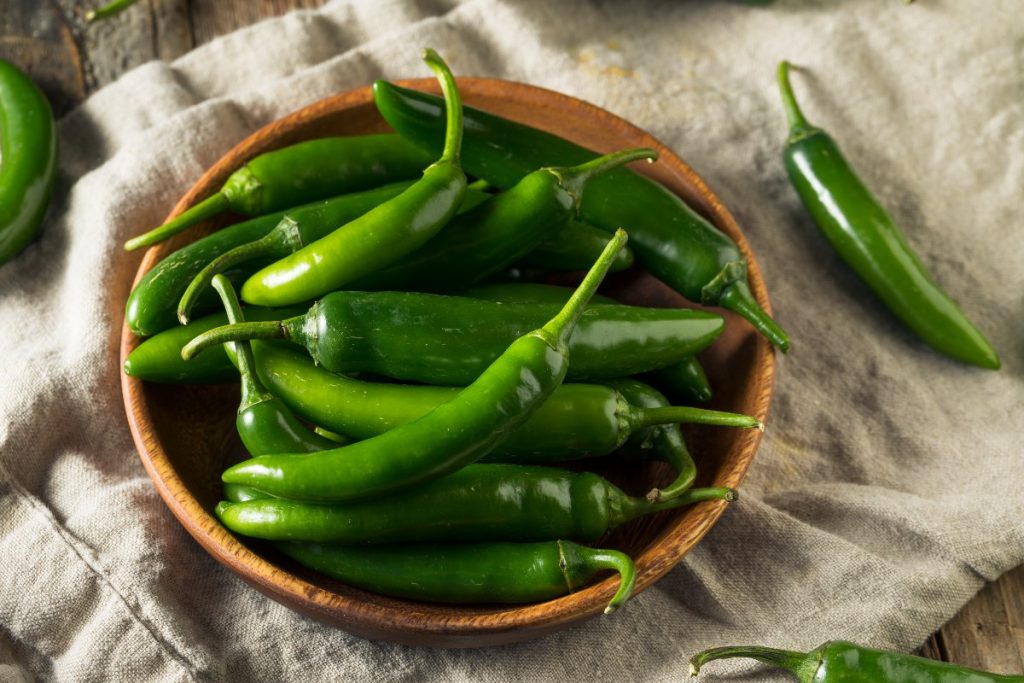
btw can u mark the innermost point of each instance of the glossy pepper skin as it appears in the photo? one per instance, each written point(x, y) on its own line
point(577, 420)
point(500, 231)
point(28, 159)
point(299, 174)
point(467, 573)
point(476, 503)
point(685, 380)
point(670, 240)
point(451, 436)
point(152, 304)
point(381, 237)
point(294, 232)
point(866, 238)
point(449, 340)
point(839, 661)
point(158, 359)
point(574, 247)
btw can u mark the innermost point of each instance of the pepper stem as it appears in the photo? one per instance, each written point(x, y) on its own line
point(277, 243)
point(271, 329)
point(672, 449)
point(737, 298)
point(786, 659)
point(574, 179)
point(252, 391)
point(797, 121)
point(629, 507)
point(560, 327)
point(594, 560)
point(108, 10)
point(452, 104)
point(648, 417)
point(209, 207)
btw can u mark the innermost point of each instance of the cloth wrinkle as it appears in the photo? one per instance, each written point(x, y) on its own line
point(79, 549)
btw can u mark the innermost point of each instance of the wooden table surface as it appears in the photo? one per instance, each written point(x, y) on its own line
point(48, 39)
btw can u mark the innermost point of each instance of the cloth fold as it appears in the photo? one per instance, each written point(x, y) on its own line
point(887, 489)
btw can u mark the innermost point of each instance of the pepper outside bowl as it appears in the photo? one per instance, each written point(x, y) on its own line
point(185, 434)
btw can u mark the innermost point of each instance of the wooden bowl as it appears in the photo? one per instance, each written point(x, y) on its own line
point(185, 435)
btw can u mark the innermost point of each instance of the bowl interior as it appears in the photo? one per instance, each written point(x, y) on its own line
point(186, 436)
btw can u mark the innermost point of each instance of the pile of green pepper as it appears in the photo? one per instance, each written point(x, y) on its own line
point(376, 256)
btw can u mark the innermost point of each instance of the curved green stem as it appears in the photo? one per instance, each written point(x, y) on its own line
point(271, 329)
point(737, 298)
point(797, 121)
point(672, 450)
point(560, 327)
point(108, 10)
point(574, 178)
point(629, 507)
point(786, 659)
point(599, 559)
point(648, 417)
point(252, 391)
point(277, 243)
point(209, 207)
point(453, 106)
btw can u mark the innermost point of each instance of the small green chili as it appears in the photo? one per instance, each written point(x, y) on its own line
point(468, 572)
point(838, 661)
point(481, 502)
point(866, 238)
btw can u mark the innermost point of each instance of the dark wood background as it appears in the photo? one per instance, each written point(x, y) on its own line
point(49, 40)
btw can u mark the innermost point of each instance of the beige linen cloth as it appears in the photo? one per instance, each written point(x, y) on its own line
point(888, 488)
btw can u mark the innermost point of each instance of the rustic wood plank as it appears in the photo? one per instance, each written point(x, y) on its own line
point(933, 648)
point(987, 633)
point(38, 38)
point(172, 28)
point(115, 45)
point(211, 18)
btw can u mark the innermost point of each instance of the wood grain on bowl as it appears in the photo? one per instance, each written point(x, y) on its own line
point(185, 435)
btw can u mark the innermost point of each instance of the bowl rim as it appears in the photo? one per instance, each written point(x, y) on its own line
point(406, 621)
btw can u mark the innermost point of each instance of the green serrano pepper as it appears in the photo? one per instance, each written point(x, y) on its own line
point(577, 421)
point(449, 340)
point(866, 238)
point(476, 503)
point(151, 306)
point(839, 661)
point(451, 436)
point(299, 174)
point(468, 572)
point(672, 241)
point(382, 236)
point(28, 159)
